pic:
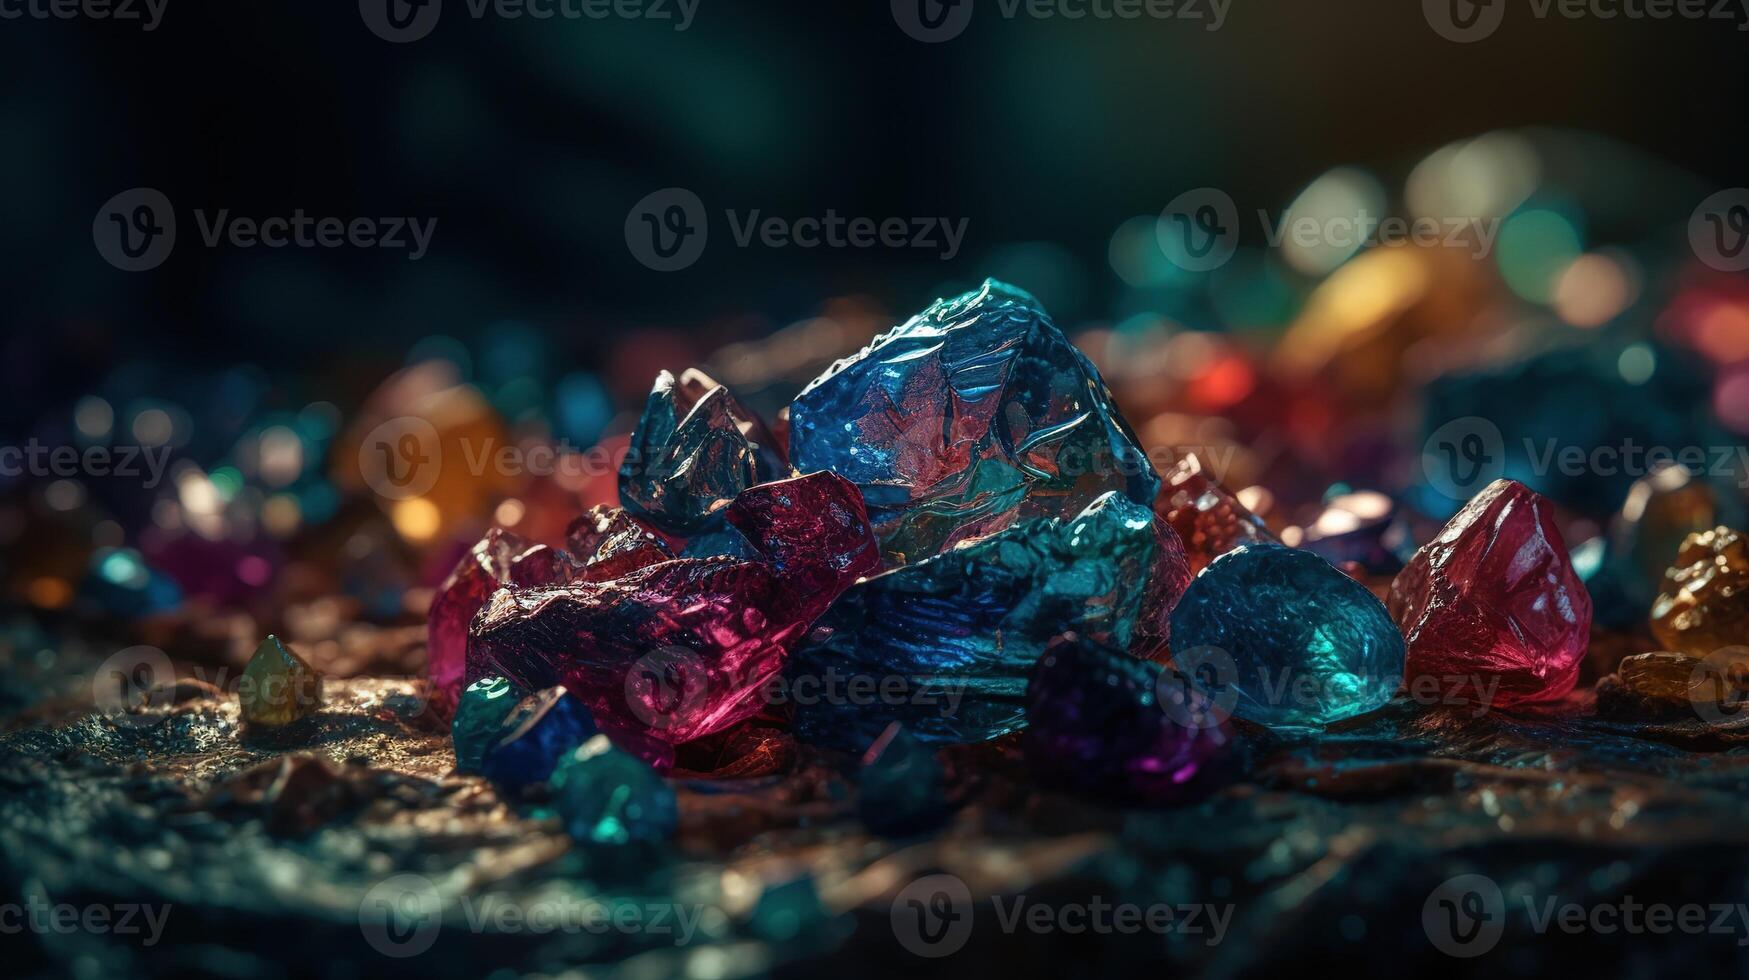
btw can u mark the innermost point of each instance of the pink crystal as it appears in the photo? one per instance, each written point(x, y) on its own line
point(683, 648)
point(612, 543)
point(1208, 518)
point(1494, 600)
point(500, 558)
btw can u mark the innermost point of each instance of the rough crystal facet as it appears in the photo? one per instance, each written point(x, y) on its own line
point(958, 634)
point(1492, 608)
point(1280, 637)
point(278, 687)
point(1705, 603)
point(500, 558)
point(1096, 725)
point(479, 718)
point(972, 416)
point(612, 543)
point(1209, 519)
point(605, 796)
point(534, 736)
point(683, 648)
point(694, 449)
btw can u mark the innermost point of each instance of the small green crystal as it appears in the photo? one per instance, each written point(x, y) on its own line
point(482, 709)
point(278, 687)
point(608, 797)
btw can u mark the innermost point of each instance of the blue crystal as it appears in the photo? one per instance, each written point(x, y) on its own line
point(605, 796)
point(946, 645)
point(695, 449)
point(901, 787)
point(972, 416)
point(534, 736)
point(479, 718)
point(1279, 637)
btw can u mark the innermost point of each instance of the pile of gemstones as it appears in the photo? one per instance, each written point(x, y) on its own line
point(952, 537)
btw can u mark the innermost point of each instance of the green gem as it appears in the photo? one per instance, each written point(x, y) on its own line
point(278, 686)
point(605, 796)
point(478, 717)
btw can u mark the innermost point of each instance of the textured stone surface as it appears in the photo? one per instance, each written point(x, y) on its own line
point(278, 687)
point(607, 797)
point(901, 786)
point(694, 449)
point(1644, 537)
point(1208, 518)
point(1096, 725)
point(1663, 685)
point(500, 558)
point(1705, 603)
point(534, 736)
point(946, 645)
point(681, 649)
point(479, 718)
point(611, 543)
point(972, 416)
point(1282, 638)
point(1492, 609)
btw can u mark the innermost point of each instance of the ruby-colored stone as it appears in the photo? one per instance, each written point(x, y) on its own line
point(682, 648)
point(1492, 608)
point(1209, 519)
point(611, 543)
point(500, 558)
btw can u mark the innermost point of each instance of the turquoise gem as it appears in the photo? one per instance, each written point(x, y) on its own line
point(482, 709)
point(605, 796)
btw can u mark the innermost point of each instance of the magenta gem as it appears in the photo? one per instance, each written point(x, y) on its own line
point(500, 558)
point(683, 648)
point(1492, 609)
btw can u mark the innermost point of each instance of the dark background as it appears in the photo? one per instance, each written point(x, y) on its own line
point(530, 140)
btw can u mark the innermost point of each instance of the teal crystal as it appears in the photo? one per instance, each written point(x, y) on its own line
point(901, 788)
point(946, 645)
point(975, 415)
point(1280, 637)
point(605, 796)
point(694, 450)
point(478, 717)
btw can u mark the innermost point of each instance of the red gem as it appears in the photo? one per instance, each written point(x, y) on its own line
point(612, 543)
point(500, 558)
point(1492, 608)
point(1209, 519)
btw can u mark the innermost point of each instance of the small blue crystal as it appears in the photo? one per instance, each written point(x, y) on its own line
point(1280, 637)
point(605, 796)
point(947, 645)
point(695, 448)
point(534, 736)
point(972, 416)
point(901, 786)
point(479, 719)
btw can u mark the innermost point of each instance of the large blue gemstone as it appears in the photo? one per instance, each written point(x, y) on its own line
point(946, 645)
point(541, 729)
point(1278, 636)
point(974, 415)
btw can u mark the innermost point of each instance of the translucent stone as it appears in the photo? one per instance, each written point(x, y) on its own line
point(946, 645)
point(1208, 519)
point(1705, 603)
point(695, 449)
point(607, 797)
point(1492, 608)
point(479, 717)
point(500, 558)
point(534, 736)
point(278, 687)
point(1280, 637)
point(973, 416)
